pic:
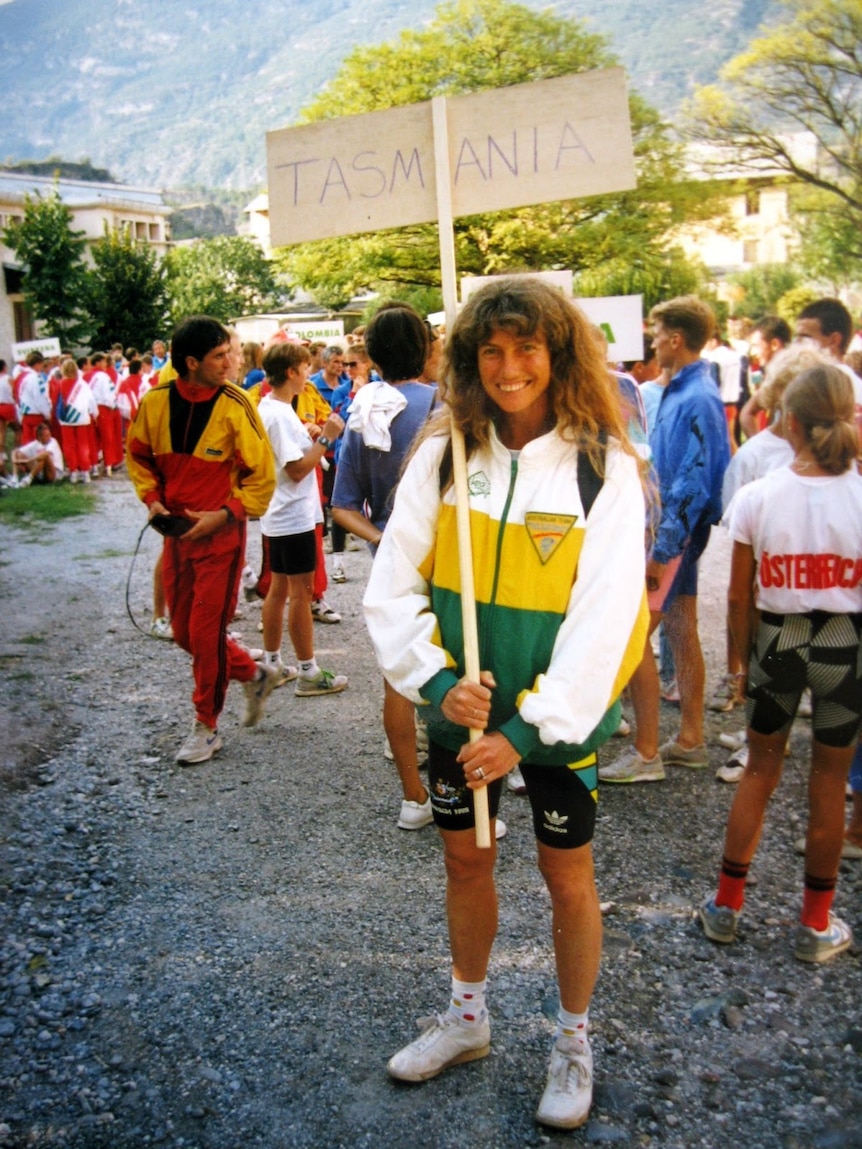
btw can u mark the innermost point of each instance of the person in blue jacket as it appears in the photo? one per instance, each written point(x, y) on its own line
point(690, 452)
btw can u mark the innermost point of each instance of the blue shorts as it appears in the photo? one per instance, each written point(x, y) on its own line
point(563, 798)
point(681, 574)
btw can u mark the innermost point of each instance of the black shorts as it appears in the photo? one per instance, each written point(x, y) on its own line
point(563, 798)
point(293, 554)
point(816, 650)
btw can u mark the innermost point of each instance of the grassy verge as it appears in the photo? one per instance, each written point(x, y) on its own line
point(47, 504)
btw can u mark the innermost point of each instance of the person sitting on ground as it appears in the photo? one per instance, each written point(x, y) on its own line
point(39, 461)
point(797, 552)
point(290, 522)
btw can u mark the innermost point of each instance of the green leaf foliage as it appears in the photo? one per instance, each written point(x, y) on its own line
point(127, 296)
point(802, 75)
point(474, 45)
point(224, 277)
point(55, 279)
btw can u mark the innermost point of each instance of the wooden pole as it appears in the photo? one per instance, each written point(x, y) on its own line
point(446, 231)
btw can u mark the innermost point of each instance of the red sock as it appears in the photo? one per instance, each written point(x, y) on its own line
point(817, 901)
point(731, 884)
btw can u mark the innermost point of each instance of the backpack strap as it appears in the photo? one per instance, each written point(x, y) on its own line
point(589, 480)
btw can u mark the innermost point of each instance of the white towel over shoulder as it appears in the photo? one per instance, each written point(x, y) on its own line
point(372, 411)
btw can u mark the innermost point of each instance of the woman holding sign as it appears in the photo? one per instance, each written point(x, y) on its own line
point(557, 524)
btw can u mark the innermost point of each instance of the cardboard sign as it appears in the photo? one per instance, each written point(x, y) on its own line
point(621, 317)
point(510, 147)
point(48, 346)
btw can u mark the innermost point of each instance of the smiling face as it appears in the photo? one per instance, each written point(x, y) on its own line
point(515, 372)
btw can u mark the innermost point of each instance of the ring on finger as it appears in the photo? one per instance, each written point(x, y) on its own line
point(479, 772)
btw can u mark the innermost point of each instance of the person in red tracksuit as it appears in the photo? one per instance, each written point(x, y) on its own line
point(197, 451)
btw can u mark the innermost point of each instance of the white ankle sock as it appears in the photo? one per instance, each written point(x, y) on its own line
point(573, 1025)
point(309, 669)
point(272, 658)
point(468, 1002)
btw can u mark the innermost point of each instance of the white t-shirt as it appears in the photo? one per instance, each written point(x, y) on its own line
point(806, 533)
point(762, 453)
point(34, 449)
point(729, 371)
point(294, 507)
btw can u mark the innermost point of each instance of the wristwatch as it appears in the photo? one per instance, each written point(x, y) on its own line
point(322, 441)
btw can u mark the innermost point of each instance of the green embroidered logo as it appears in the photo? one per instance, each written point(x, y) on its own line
point(479, 484)
point(547, 531)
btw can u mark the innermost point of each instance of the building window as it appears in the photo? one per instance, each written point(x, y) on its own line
point(752, 203)
point(154, 233)
point(24, 329)
point(750, 248)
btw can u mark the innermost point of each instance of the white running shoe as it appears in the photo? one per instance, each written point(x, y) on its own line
point(444, 1042)
point(324, 682)
point(200, 745)
point(161, 628)
point(415, 815)
point(515, 781)
point(568, 1094)
point(631, 766)
point(321, 611)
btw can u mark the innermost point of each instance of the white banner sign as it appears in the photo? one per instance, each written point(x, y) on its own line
point(526, 144)
point(318, 330)
point(621, 317)
point(48, 347)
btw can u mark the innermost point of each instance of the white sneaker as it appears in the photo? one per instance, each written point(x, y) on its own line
point(324, 682)
point(444, 1042)
point(415, 815)
point(568, 1094)
point(500, 829)
point(321, 611)
point(161, 628)
point(515, 781)
point(733, 769)
point(338, 573)
point(284, 673)
point(200, 745)
point(735, 740)
point(257, 690)
point(25, 481)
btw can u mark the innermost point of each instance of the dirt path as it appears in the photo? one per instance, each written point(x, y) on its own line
point(226, 956)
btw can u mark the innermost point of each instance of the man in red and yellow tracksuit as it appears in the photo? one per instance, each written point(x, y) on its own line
point(197, 451)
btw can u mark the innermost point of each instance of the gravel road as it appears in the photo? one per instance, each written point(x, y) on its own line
point(224, 957)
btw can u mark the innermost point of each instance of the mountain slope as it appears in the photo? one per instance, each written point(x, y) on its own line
point(181, 92)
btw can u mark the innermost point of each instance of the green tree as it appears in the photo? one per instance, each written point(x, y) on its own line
point(55, 274)
point(225, 277)
point(762, 287)
point(802, 76)
point(473, 45)
point(127, 297)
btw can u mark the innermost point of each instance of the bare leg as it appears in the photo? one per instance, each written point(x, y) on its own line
point(471, 902)
point(300, 625)
point(645, 695)
point(399, 722)
point(762, 774)
point(826, 783)
point(577, 922)
point(681, 625)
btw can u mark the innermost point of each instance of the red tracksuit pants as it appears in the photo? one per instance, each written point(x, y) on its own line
point(201, 587)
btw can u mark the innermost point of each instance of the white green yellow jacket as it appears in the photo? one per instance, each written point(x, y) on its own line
point(561, 609)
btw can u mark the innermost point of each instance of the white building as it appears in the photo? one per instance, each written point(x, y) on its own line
point(94, 206)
